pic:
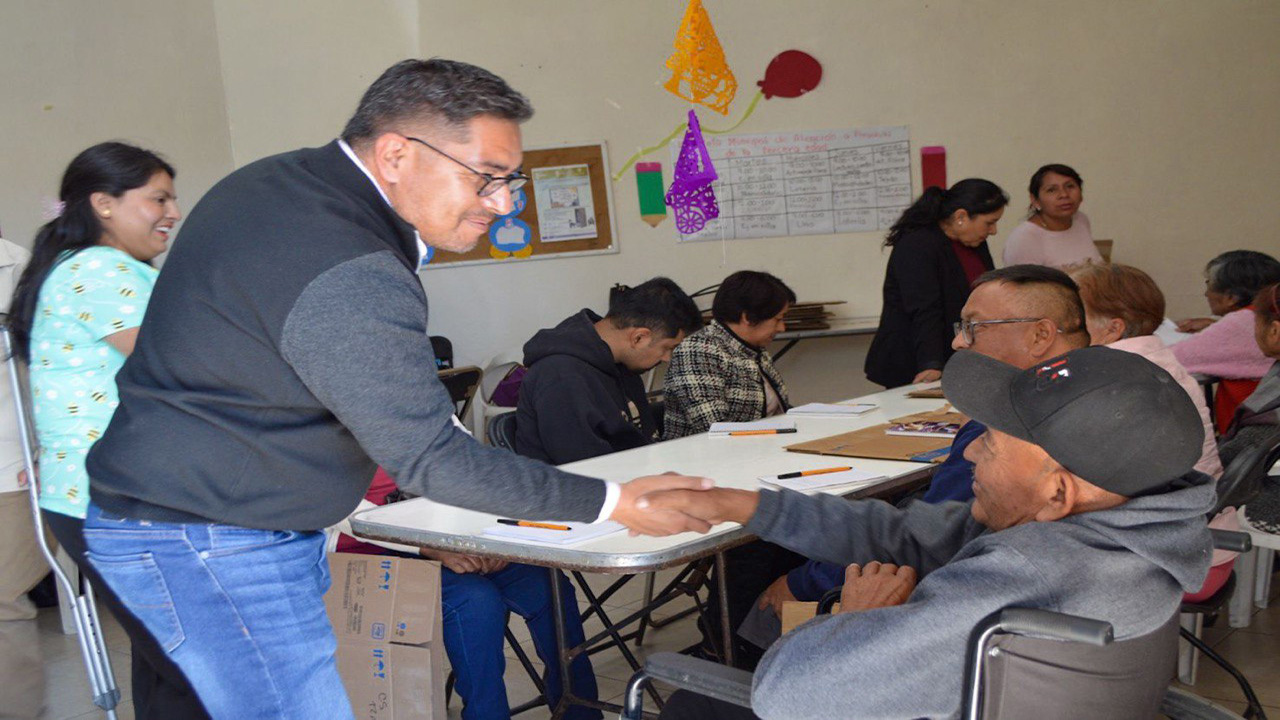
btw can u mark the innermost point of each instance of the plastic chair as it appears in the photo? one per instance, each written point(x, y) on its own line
point(1255, 567)
point(1240, 483)
point(501, 431)
point(93, 647)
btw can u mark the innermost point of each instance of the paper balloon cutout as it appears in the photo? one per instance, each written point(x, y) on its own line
point(791, 74)
point(699, 72)
point(690, 194)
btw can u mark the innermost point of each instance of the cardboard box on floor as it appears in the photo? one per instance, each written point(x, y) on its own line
point(386, 613)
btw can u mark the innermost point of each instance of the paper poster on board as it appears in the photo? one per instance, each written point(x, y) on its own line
point(565, 207)
point(808, 183)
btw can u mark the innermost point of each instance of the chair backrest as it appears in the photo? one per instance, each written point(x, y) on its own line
point(659, 410)
point(1243, 478)
point(1104, 248)
point(461, 384)
point(1040, 678)
point(442, 348)
point(501, 431)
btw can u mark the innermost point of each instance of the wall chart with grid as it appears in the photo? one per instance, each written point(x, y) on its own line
point(808, 183)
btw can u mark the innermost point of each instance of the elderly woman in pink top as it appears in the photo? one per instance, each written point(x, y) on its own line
point(1123, 307)
point(1055, 233)
point(1226, 348)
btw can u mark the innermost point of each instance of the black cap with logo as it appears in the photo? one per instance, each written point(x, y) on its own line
point(1111, 417)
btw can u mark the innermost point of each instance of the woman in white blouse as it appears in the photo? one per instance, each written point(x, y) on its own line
point(1056, 233)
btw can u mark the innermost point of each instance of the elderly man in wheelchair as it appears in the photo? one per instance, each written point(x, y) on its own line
point(1086, 504)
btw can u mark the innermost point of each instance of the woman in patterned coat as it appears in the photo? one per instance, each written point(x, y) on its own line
point(723, 373)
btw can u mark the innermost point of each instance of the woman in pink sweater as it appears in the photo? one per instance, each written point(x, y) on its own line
point(1123, 307)
point(1226, 348)
point(1055, 233)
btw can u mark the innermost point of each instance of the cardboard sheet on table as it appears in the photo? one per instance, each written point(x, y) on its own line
point(872, 442)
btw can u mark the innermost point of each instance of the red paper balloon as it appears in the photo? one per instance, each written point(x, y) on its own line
point(791, 74)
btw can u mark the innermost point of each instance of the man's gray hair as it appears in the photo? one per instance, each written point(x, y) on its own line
point(435, 91)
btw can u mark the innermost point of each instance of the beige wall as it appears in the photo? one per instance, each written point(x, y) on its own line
point(77, 73)
point(1168, 107)
point(295, 69)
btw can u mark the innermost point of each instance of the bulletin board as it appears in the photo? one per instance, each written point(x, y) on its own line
point(565, 210)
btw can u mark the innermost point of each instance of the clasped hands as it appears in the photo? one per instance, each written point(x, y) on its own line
point(668, 504)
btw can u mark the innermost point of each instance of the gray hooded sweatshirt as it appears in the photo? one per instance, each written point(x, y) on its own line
point(1128, 565)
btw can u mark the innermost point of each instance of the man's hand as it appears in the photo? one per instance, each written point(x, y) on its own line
point(634, 511)
point(925, 376)
point(776, 594)
point(875, 586)
point(1194, 325)
point(711, 506)
point(459, 563)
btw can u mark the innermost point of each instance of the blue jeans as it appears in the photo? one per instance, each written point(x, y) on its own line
point(475, 610)
point(240, 611)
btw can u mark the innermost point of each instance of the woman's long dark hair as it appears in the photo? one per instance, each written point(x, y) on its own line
point(112, 168)
point(974, 195)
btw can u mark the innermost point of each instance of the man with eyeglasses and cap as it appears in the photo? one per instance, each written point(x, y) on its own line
point(1086, 502)
point(285, 355)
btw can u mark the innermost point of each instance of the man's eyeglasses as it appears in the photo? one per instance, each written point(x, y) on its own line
point(965, 328)
point(492, 183)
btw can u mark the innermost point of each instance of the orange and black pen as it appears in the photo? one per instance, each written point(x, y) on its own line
point(530, 523)
point(807, 473)
point(778, 431)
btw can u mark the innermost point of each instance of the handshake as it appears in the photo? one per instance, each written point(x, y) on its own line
point(668, 504)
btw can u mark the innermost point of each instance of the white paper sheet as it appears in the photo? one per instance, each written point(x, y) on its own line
point(580, 532)
point(778, 422)
point(814, 482)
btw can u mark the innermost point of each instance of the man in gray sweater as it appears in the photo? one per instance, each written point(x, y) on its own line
point(1086, 503)
point(284, 355)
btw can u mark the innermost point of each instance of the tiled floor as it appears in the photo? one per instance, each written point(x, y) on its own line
point(1254, 650)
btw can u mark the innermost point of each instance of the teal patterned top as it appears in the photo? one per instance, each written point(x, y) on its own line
point(88, 296)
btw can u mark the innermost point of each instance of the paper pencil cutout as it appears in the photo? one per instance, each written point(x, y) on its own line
point(649, 186)
point(690, 194)
point(699, 72)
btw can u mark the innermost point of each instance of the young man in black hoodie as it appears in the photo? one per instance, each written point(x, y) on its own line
point(583, 395)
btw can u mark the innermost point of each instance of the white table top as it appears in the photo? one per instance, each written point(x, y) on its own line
point(734, 462)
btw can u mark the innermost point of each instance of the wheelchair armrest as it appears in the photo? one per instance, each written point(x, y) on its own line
point(1231, 540)
point(1055, 626)
point(687, 673)
point(701, 676)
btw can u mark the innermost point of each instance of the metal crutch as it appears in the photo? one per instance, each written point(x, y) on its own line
point(93, 648)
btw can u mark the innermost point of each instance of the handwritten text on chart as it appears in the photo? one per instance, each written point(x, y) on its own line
point(809, 183)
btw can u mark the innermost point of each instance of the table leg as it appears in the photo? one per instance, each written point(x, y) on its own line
point(790, 344)
point(726, 625)
point(612, 629)
point(562, 644)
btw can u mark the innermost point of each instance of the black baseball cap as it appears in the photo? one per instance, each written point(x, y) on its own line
point(1111, 417)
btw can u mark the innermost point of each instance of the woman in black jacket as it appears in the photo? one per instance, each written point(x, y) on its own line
point(939, 249)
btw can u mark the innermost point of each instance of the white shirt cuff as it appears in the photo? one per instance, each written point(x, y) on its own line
point(612, 494)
